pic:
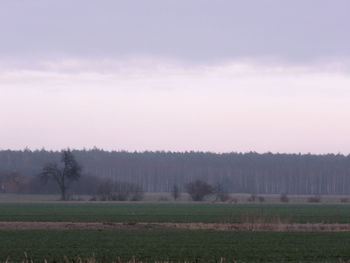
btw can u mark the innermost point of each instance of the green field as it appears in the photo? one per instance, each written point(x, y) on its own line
point(171, 244)
point(206, 246)
point(206, 213)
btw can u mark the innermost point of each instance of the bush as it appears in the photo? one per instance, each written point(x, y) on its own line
point(261, 199)
point(344, 200)
point(284, 198)
point(136, 192)
point(223, 197)
point(163, 199)
point(119, 191)
point(314, 199)
point(220, 193)
point(92, 199)
point(252, 198)
point(234, 200)
point(198, 190)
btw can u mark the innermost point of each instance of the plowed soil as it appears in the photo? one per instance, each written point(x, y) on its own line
point(253, 227)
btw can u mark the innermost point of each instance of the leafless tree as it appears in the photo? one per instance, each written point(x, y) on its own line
point(63, 174)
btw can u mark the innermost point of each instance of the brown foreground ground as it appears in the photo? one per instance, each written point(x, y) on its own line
point(275, 227)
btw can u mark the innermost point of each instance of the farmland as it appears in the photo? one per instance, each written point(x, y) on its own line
point(179, 213)
point(139, 236)
point(205, 246)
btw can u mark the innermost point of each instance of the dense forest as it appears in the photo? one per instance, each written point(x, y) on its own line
point(237, 172)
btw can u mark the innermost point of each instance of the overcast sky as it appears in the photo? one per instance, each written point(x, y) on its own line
point(223, 75)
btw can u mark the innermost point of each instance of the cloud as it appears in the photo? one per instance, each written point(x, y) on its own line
point(328, 77)
point(155, 104)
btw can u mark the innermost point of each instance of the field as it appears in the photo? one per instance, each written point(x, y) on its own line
point(166, 197)
point(173, 244)
point(180, 213)
point(203, 246)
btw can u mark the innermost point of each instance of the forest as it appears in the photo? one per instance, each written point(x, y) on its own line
point(159, 171)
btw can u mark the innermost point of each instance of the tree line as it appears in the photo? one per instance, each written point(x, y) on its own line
point(64, 173)
point(159, 171)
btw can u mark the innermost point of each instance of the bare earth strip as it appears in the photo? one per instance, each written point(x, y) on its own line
point(258, 227)
point(167, 202)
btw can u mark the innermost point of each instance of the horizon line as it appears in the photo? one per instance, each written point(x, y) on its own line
point(43, 149)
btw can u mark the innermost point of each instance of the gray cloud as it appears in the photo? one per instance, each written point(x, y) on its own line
point(196, 30)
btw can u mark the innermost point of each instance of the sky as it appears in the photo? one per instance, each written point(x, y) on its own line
point(176, 75)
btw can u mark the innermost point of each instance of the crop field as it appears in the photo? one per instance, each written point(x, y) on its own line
point(203, 246)
point(179, 213)
point(172, 244)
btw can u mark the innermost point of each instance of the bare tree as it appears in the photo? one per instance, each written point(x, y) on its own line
point(63, 174)
point(198, 190)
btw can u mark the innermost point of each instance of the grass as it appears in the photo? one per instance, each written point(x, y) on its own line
point(147, 212)
point(205, 246)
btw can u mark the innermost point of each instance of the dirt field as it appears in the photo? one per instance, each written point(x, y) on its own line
point(253, 227)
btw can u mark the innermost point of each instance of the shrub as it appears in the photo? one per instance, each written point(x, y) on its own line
point(119, 191)
point(284, 198)
point(314, 199)
point(163, 199)
point(220, 193)
point(175, 192)
point(234, 200)
point(92, 199)
point(136, 192)
point(198, 190)
point(224, 197)
point(344, 200)
point(261, 199)
point(252, 198)
point(105, 190)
